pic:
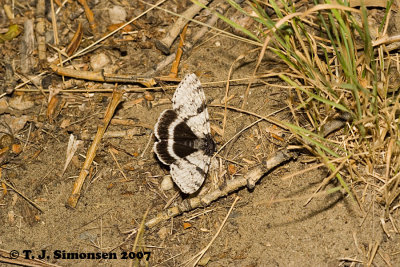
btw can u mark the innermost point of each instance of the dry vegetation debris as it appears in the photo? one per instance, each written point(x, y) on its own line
point(83, 82)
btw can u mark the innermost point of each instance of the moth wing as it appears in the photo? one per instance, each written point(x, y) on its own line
point(189, 102)
point(189, 173)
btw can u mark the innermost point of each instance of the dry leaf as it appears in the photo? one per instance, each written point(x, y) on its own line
point(76, 41)
point(52, 107)
point(232, 169)
point(186, 225)
point(71, 149)
point(113, 27)
point(16, 148)
point(13, 31)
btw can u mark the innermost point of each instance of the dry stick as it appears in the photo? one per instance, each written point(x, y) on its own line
point(221, 9)
point(75, 41)
point(165, 44)
point(271, 120)
point(89, 16)
point(249, 180)
point(27, 47)
point(7, 257)
point(84, 50)
point(100, 76)
point(76, 191)
point(226, 94)
point(118, 165)
point(174, 68)
point(225, 33)
point(245, 128)
point(22, 195)
point(55, 31)
point(9, 12)
point(227, 88)
point(326, 180)
point(41, 29)
point(203, 251)
point(133, 89)
point(189, 45)
point(139, 235)
point(373, 253)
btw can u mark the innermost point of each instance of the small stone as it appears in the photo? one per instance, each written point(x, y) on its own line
point(99, 61)
point(167, 183)
point(117, 14)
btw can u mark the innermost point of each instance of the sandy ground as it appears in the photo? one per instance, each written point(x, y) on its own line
point(331, 230)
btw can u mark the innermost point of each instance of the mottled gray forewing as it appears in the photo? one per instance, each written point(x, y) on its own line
point(189, 173)
point(189, 102)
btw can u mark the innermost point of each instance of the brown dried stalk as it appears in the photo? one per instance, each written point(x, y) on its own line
point(174, 68)
point(100, 76)
point(249, 180)
point(27, 47)
point(40, 30)
point(89, 16)
point(189, 45)
point(76, 191)
point(76, 41)
point(165, 44)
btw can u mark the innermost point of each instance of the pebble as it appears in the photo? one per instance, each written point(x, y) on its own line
point(117, 14)
point(167, 183)
point(99, 61)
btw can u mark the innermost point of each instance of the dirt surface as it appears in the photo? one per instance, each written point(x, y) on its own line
point(125, 178)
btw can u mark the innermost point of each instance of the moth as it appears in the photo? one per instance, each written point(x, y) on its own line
point(183, 135)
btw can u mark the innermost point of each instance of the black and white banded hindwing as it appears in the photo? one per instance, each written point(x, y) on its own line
point(184, 139)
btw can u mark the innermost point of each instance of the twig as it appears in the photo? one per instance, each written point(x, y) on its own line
point(227, 87)
point(118, 165)
point(221, 9)
point(76, 191)
point(174, 68)
point(75, 41)
point(84, 50)
point(373, 253)
point(40, 30)
point(188, 45)
point(27, 47)
point(203, 251)
point(249, 180)
point(147, 145)
point(271, 120)
point(327, 179)
point(9, 12)
point(99, 76)
point(165, 44)
point(225, 33)
point(126, 134)
point(139, 235)
point(22, 195)
point(89, 16)
point(137, 89)
point(55, 31)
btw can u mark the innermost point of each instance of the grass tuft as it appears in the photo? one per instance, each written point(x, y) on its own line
point(334, 68)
